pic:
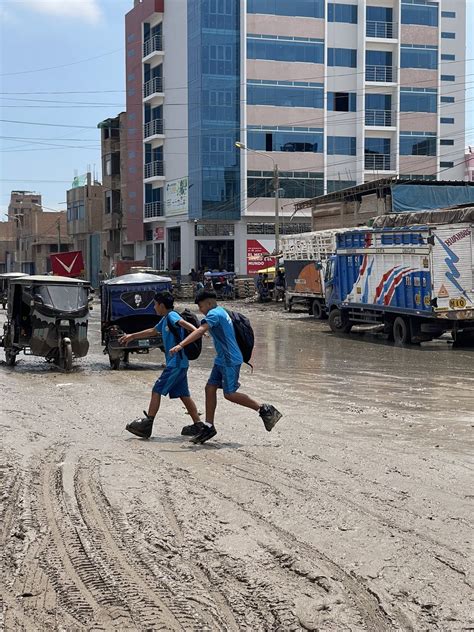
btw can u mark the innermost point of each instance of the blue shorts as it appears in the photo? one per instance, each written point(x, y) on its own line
point(173, 382)
point(225, 377)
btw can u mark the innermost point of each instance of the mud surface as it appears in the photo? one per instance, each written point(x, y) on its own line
point(353, 514)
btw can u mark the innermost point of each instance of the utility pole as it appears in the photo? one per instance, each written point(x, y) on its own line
point(276, 183)
point(59, 234)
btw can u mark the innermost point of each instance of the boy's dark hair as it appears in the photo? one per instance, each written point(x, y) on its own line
point(204, 294)
point(165, 298)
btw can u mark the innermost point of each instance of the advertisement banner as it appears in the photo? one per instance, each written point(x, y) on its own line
point(176, 197)
point(68, 264)
point(258, 251)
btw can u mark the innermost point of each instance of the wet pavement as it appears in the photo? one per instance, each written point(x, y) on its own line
point(353, 514)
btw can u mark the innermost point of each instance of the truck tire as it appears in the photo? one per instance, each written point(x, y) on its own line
point(317, 309)
point(401, 331)
point(339, 322)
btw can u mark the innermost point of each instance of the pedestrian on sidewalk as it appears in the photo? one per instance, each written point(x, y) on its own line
point(174, 379)
point(226, 371)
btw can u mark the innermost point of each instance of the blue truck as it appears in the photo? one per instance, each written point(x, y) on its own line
point(414, 278)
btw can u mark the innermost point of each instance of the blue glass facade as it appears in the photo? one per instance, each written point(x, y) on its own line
point(290, 139)
point(419, 56)
point(418, 100)
point(422, 12)
point(285, 93)
point(285, 49)
point(214, 109)
point(417, 144)
point(300, 8)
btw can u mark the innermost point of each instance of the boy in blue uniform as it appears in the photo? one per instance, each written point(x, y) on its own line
point(174, 379)
point(226, 370)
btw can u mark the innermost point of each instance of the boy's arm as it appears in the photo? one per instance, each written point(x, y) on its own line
point(195, 335)
point(146, 333)
point(185, 325)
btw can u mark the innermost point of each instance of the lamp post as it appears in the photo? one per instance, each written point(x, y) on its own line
point(58, 221)
point(276, 184)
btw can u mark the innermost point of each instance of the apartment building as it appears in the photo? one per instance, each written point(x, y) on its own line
point(114, 164)
point(85, 204)
point(331, 94)
point(37, 233)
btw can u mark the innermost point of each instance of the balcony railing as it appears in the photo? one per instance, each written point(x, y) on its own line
point(153, 209)
point(385, 74)
point(153, 86)
point(380, 118)
point(379, 162)
point(153, 128)
point(380, 29)
point(153, 44)
point(153, 169)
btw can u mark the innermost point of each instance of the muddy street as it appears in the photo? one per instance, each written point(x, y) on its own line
point(352, 514)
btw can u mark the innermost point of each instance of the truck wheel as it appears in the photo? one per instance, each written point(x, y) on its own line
point(67, 355)
point(339, 322)
point(401, 331)
point(317, 309)
point(10, 357)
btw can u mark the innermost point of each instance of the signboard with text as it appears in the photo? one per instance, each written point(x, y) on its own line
point(258, 251)
point(176, 197)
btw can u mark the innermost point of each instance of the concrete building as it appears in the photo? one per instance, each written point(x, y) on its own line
point(335, 94)
point(7, 246)
point(85, 210)
point(114, 165)
point(37, 233)
point(469, 162)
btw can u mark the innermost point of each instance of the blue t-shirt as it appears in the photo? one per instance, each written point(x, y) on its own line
point(223, 336)
point(180, 360)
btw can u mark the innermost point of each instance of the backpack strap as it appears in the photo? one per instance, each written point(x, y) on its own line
point(175, 332)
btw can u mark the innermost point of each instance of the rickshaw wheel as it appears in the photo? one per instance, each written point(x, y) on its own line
point(66, 360)
point(114, 363)
point(10, 358)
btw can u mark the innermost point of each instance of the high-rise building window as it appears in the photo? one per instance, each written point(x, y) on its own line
point(293, 184)
point(342, 101)
point(341, 145)
point(418, 100)
point(420, 12)
point(284, 49)
point(448, 14)
point(448, 77)
point(342, 13)
point(285, 94)
point(446, 165)
point(417, 144)
point(345, 57)
point(446, 35)
point(299, 8)
point(447, 120)
point(446, 57)
point(419, 56)
point(270, 139)
point(447, 99)
point(446, 141)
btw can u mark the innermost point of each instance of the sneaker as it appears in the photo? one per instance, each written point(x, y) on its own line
point(204, 435)
point(270, 415)
point(141, 427)
point(193, 429)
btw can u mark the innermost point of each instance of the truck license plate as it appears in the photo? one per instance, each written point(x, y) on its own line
point(143, 343)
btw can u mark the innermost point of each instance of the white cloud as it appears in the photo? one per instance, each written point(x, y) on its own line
point(86, 10)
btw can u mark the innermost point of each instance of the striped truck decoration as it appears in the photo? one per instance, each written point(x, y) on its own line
point(427, 269)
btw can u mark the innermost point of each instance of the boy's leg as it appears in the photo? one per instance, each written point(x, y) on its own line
point(191, 408)
point(211, 402)
point(243, 400)
point(154, 406)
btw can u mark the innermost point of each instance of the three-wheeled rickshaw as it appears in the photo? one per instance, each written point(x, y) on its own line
point(5, 278)
point(221, 282)
point(47, 316)
point(127, 306)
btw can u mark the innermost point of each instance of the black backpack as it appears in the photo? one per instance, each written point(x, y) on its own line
point(243, 334)
point(193, 350)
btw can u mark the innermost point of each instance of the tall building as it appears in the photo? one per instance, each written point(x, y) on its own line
point(333, 94)
point(85, 204)
point(114, 164)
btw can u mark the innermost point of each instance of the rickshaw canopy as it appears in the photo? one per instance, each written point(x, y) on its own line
point(131, 295)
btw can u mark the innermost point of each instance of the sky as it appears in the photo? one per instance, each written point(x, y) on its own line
point(62, 64)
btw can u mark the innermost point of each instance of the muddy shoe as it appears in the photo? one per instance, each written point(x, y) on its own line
point(193, 429)
point(270, 416)
point(141, 427)
point(205, 435)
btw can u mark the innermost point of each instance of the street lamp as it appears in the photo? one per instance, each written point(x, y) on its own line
point(276, 184)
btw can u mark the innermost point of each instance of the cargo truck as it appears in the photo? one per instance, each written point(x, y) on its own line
point(416, 279)
point(304, 259)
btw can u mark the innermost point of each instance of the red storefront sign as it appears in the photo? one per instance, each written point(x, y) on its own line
point(69, 264)
point(257, 255)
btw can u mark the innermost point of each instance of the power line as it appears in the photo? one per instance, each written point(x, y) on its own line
point(72, 63)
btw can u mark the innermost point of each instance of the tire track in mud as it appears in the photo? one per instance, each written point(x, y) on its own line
point(117, 543)
point(369, 607)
